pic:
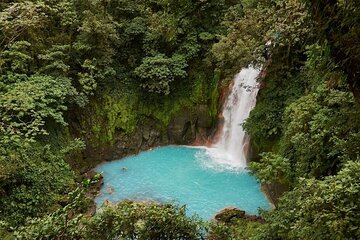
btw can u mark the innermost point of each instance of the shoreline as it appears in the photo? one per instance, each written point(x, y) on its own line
point(97, 191)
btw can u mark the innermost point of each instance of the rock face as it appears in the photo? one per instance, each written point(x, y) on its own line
point(185, 126)
point(228, 214)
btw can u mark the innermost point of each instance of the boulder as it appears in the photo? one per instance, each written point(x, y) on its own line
point(226, 215)
point(107, 203)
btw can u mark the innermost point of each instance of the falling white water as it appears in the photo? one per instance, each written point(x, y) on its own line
point(231, 149)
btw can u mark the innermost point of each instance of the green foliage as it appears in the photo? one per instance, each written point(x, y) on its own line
point(318, 209)
point(214, 97)
point(239, 229)
point(130, 220)
point(307, 115)
point(124, 62)
point(276, 95)
point(56, 60)
point(245, 41)
point(25, 105)
point(336, 24)
point(64, 223)
point(95, 43)
point(33, 181)
point(158, 72)
point(111, 46)
point(17, 57)
point(321, 132)
point(22, 19)
point(271, 168)
point(126, 220)
point(319, 68)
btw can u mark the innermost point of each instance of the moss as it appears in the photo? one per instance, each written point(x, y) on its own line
point(165, 112)
point(199, 93)
point(120, 114)
point(121, 110)
point(101, 119)
point(215, 95)
point(96, 129)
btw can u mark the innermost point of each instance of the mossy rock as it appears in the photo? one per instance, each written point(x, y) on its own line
point(229, 214)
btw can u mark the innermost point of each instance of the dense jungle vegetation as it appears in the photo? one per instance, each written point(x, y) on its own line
point(119, 62)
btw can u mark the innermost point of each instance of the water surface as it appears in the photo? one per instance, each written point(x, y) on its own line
point(182, 174)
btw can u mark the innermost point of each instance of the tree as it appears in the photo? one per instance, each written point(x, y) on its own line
point(287, 30)
point(318, 209)
point(159, 71)
point(336, 24)
point(26, 105)
point(125, 220)
point(321, 132)
point(34, 180)
point(272, 168)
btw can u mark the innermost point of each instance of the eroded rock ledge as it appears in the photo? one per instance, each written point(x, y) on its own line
point(185, 126)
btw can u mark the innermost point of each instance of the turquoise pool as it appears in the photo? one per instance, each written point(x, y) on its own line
point(184, 175)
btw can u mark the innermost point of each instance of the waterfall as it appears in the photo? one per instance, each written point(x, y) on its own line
point(233, 144)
